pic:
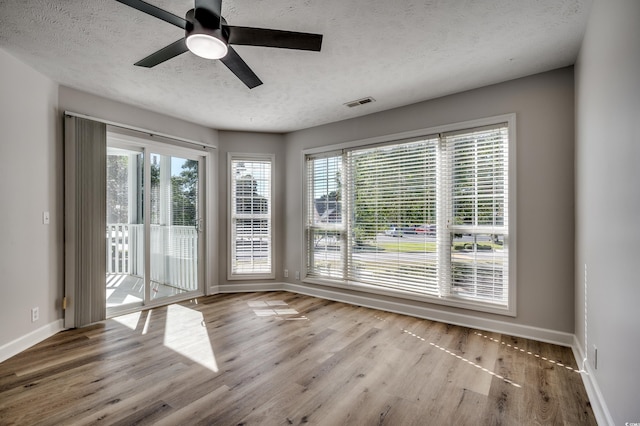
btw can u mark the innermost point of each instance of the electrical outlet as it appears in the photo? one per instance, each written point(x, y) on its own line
point(286, 273)
point(35, 314)
point(297, 275)
point(45, 218)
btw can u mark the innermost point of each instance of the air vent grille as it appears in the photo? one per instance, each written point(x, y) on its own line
point(359, 102)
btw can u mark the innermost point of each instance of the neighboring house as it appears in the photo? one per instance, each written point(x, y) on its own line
point(328, 210)
point(247, 198)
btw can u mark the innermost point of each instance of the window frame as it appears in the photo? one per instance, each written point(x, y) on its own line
point(231, 158)
point(510, 308)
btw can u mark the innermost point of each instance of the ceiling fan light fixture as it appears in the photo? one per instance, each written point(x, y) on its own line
point(206, 34)
point(207, 46)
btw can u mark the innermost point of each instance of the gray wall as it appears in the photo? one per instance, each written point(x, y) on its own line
point(106, 109)
point(117, 112)
point(31, 263)
point(31, 181)
point(608, 203)
point(544, 104)
point(251, 143)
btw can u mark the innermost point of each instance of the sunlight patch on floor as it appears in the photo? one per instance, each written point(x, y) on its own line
point(275, 308)
point(268, 303)
point(130, 320)
point(186, 333)
point(522, 350)
point(463, 359)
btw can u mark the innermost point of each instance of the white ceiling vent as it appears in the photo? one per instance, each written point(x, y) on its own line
point(359, 102)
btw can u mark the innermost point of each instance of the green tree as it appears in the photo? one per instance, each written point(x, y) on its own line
point(479, 182)
point(329, 205)
point(184, 195)
point(393, 187)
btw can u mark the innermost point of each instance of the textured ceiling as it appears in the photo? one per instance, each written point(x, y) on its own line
point(399, 52)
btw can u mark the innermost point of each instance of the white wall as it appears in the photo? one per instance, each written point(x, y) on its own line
point(608, 203)
point(31, 263)
point(545, 141)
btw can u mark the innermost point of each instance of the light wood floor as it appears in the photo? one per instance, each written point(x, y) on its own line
point(286, 359)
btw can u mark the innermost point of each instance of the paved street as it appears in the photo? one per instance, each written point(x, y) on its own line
point(333, 256)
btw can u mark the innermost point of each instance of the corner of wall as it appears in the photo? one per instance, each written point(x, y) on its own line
point(600, 409)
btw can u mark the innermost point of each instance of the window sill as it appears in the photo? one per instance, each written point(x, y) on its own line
point(240, 277)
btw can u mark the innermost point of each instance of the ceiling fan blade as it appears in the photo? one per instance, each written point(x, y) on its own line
point(213, 6)
point(274, 38)
point(171, 51)
point(239, 67)
point(152, 10)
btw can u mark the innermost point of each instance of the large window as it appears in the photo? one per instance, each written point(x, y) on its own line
point(250, 205)
point(424, 217)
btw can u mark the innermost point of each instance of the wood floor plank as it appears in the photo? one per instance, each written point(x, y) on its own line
point(195, 410)
point(279, 358)
point(477, 359)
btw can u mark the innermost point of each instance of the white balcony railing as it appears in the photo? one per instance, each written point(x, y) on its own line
point(174, 253)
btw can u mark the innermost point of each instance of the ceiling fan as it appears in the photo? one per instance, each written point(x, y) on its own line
point(208, 35)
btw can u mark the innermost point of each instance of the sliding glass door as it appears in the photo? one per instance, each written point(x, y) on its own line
point(174, 227)
point(154, 211)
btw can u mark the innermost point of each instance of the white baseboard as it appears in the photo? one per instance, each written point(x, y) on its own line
point(600, 410)
point(503, 327)
point(360, 299)
point(25, 342)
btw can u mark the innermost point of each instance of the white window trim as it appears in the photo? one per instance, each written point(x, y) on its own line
point(510, 309)
point(234, 156)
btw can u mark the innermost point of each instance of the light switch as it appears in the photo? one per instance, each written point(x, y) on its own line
point(45, 218)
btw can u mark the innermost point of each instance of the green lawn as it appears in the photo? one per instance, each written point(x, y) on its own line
point(407, 247)
point(400, 246)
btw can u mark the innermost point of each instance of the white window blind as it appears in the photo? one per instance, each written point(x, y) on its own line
point(477, 177)
point(393, 189)
point(326, 220)
point(425, 217)
point(251, 249)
